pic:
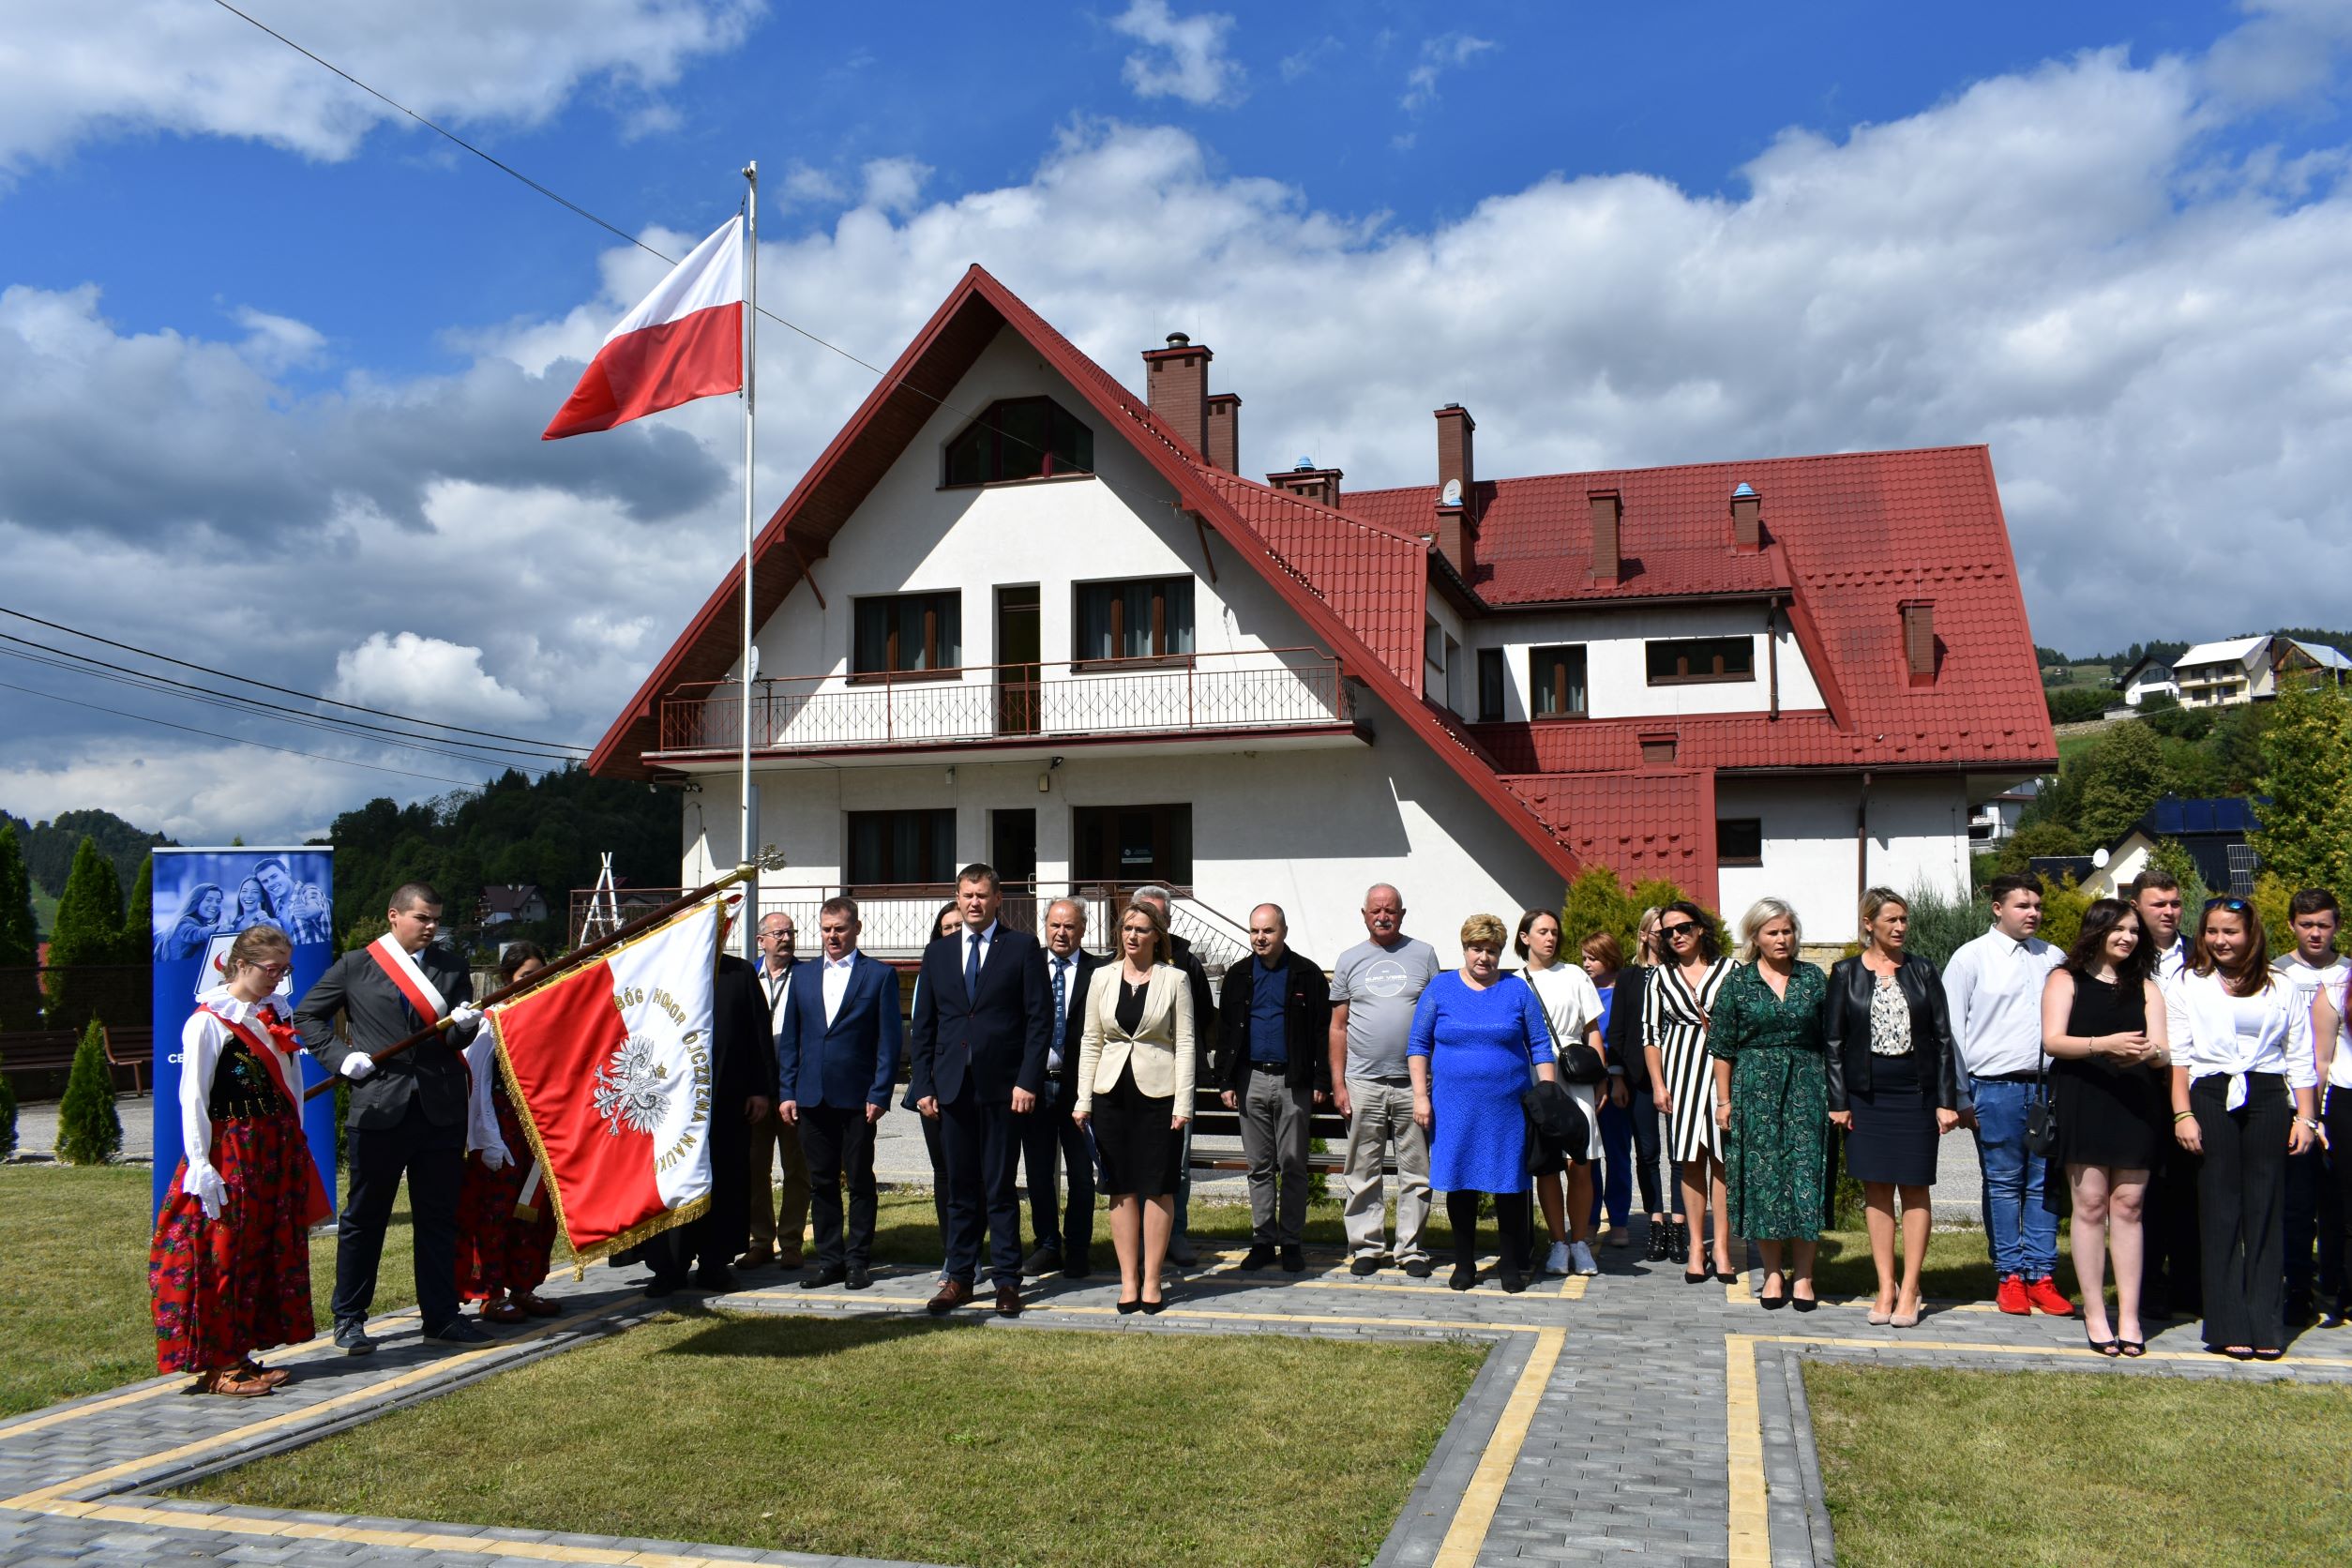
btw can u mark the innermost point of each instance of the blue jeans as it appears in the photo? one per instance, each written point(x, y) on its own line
point(1614, 1189)
point(2024, 1233)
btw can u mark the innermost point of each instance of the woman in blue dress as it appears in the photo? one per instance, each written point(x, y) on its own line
point(1473, 1040)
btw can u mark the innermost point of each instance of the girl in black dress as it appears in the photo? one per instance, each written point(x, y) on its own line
point(2102, 1023)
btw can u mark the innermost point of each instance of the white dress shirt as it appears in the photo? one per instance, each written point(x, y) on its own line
point(2213, 1031)
point(2308, 983)
point(2171, 964)
point(1993, 988)
point(837, 983)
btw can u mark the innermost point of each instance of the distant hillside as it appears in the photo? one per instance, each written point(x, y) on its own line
point(49, 848)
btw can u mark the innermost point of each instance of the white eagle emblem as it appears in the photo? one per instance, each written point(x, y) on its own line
point(631, 1088)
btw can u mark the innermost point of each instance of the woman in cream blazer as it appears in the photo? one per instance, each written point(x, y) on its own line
point(1135, 1087)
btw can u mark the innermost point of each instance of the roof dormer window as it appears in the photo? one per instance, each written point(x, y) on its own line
point(1020, 438)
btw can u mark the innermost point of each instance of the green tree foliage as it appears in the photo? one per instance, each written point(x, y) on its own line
point(89, 934)
point(2037, 839)
point(2121, 780)
point(547, 833)
point(2304, 792)
point(1940, 922)
point(2063, 909)
point(138, 939)
point(50, 847)
point(1597, 901)
point(2169, 855)
point(19, 941)
point(7, 1115)
point(88, 1131)
point(2078, 704)
point(2236, 748)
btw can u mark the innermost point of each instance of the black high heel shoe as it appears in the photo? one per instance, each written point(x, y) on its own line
point(1152, 1309)
point(1127, 1308)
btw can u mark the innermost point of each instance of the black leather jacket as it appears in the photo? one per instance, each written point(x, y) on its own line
point(1846, 1027)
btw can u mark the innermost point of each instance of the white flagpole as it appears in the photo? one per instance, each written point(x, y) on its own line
point(748, 852)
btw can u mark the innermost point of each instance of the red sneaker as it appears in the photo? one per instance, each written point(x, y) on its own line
point(2011, 1297)
point(2046, 1295)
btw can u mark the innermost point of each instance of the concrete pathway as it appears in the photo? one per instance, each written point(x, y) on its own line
point(1629, 1418)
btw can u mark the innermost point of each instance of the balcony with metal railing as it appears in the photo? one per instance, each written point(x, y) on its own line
point(1263, 693)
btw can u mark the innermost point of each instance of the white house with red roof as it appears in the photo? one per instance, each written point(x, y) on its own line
point(1019, 612)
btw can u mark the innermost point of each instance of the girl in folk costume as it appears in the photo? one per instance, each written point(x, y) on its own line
point(503, 1256)
point(230, 1267)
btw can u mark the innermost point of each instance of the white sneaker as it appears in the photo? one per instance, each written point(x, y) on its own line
point(1557, 1261)
point(1582, 1255)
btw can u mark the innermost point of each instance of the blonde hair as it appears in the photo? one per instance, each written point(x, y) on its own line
point(1484, 930)
point(252, 944)
point(1646, 934)
point(1760, 914)
point(1876, 899)
point(1163, 951)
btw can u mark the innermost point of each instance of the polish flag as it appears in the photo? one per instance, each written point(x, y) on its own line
point(609, 1066)
point(683, 341)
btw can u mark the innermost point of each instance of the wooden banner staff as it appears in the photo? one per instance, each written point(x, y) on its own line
point(748, 871)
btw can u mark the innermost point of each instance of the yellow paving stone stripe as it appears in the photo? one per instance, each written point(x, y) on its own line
point(1750, 1524)
point(1475, 1514)
point(1905, 1342)
point(177, 1384)
point(837, 1307)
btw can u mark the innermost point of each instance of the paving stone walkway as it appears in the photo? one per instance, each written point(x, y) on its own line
point(1626, 1419)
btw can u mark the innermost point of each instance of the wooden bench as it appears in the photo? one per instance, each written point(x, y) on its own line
point(131, 1048)
point(1210, 1119)
point(42, 1054)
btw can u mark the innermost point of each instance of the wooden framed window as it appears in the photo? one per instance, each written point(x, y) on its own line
point(1020, 438)
point(1688, 661)
point(899, 849)
point(1555, 681)
point(905, 634)
point(1145, 618)
point(1738, 840)
point(1490, 686)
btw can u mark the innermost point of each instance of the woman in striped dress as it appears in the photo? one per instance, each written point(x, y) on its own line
point(1675, 1006)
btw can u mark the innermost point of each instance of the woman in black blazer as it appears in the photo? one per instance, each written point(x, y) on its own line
point(1894, 1087)
point(1669, 1238)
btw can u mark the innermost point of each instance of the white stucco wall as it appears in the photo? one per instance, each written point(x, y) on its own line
point(1917, 839)
point(1617, 668)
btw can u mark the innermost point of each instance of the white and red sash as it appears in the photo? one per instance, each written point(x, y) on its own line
point(274, 1045)
point(400, 967)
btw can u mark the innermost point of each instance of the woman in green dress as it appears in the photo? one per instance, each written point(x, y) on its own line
point(1772, 1099)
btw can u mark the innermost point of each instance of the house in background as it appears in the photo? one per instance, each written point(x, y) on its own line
point(2214, 831)
point(505, 904)
point(2249, 669)
point(2150, 677)
point(1993, 821)
point(1017, 612)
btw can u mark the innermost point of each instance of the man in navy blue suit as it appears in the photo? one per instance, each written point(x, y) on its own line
point(1049, 1138)
point(836, 1051)
point(983, 1021)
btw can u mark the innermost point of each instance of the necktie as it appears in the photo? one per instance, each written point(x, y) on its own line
point(971, 968)
point(1061, 1000)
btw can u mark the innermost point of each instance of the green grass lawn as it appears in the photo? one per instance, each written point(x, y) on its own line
point(2071, 746)
point(1923, 1467)
point(73, 1280)
point(913, 1439)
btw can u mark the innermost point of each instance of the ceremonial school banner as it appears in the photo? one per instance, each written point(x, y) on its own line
point(203, 900)
point(609, 1066)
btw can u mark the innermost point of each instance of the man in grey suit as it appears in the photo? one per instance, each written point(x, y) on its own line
point(408, 1112)
point(776, 1224)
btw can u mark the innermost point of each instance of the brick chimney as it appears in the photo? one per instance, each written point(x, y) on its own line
point(1176, 383)
point(1457, 525)
point(1225, 430)
point(1747, 521)
point(1919, 641)
point(1607, 509)
point(1319, 485)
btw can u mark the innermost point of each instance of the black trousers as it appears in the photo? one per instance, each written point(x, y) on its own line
point(839, 1144)
point(2306, 1180)
point(935, 1146)
point(1063, 1223)
point(983, 1158)
point(2242, 1203)
point(2171, 1266)
point(1512, 1210)
point(719, 1235)
point(2336, 1116)
point(1644, 1112)
point(433, 1160)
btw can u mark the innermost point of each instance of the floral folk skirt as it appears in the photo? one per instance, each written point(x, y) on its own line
point(225, 1288)
point(497, 1249)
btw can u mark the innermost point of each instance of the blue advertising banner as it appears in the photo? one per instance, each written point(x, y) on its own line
point(203, 900)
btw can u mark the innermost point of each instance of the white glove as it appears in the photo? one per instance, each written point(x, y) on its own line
point(357, 1065)
point(494, 1155)
point(204, 1184)
point(465, 1016)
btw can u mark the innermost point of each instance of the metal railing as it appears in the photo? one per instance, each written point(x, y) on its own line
point(897, 921)
point(1194, 694)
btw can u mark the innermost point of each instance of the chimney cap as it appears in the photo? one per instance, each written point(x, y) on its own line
point(1304, 465)
point(1746, 492)
point(1178, 340)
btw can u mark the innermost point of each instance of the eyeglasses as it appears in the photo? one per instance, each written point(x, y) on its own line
point(1670, 932)
point(275, 972)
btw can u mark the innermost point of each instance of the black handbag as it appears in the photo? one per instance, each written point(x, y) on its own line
point(1575, 1061)
point(1557, 1131)
point(2041, 1116)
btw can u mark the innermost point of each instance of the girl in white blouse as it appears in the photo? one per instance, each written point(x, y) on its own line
point(2243, 1089)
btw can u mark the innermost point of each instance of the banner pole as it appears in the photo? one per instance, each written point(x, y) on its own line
point(748, 871)
point(745, 850)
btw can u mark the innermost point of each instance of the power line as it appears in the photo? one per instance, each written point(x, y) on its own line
point(230, 704)
point(145, 681)
point(240, 740)
point(285, 691)
point(610, 227)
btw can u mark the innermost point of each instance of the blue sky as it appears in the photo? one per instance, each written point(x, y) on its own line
point(273, 362)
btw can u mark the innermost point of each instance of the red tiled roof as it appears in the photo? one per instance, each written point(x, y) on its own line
point(1641, 825)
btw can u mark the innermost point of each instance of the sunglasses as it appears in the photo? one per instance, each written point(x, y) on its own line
point(1670, 932)
point(2236, 905)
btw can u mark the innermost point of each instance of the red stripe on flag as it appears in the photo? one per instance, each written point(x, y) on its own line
point(642, 372)
point(555, 1040)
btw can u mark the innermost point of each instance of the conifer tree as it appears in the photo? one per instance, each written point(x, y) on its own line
point(88, 934)
point(138, 940)
point(88, 1131)
point(8, 1114)
point(20, 939)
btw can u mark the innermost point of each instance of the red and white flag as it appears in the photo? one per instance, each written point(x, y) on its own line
point(610, 1066)
point(683, 341)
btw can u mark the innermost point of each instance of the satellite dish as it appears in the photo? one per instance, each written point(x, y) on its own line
point(2099, 859)
point(1452, 494)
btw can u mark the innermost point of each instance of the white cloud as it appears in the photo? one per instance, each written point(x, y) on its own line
point(894, 183)
point(1447, 52)
point(68, 73)
point(1184, 57)
point(275, 344)
point(1303, 62)
point(427, 676)
point(197, 794)
point(803, 186)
